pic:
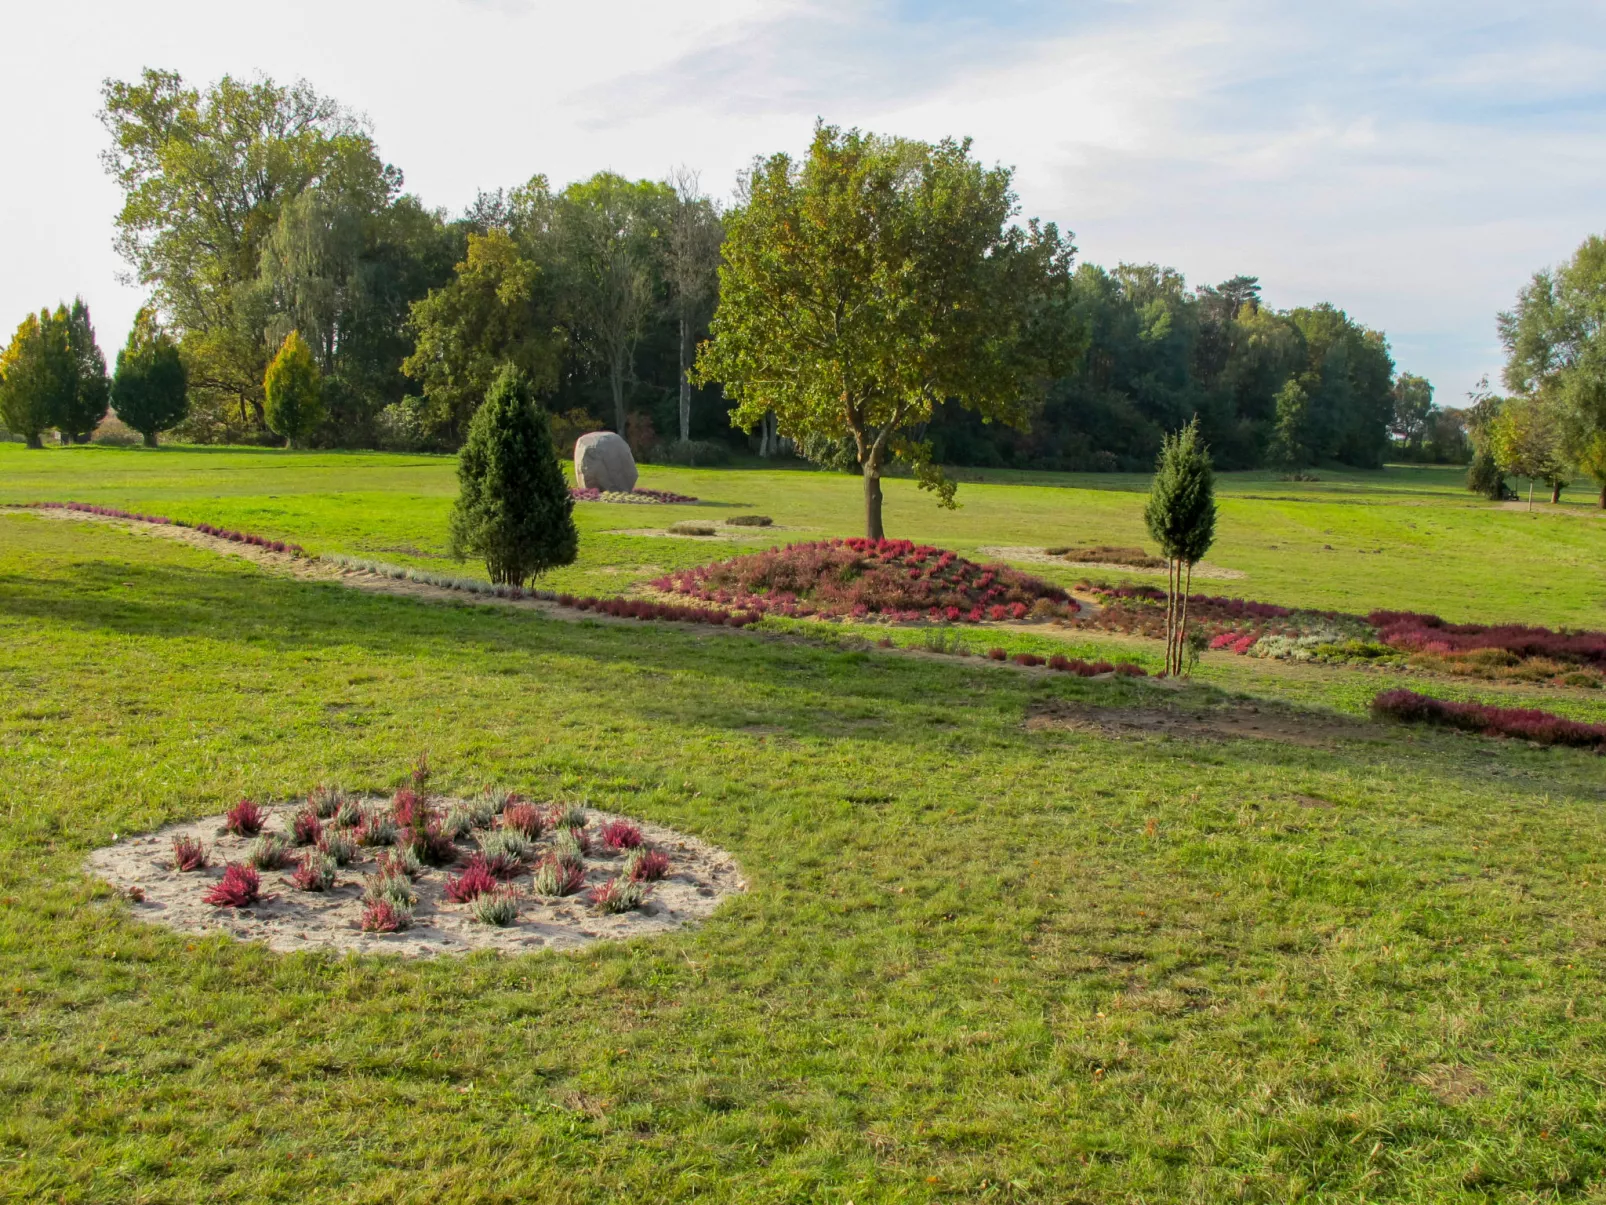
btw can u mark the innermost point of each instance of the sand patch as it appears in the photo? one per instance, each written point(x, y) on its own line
point(1232, 722)
point(1038, 556)
point(287, 919)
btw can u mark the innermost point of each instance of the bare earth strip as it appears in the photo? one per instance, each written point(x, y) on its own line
point(1036, 556)
point(285, 919)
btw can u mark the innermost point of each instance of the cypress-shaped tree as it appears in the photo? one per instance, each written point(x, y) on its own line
point(151, 389)
point(293, 391)
point(513, 507)
point(82, 411)
point(1181, 516)
point(37, 376)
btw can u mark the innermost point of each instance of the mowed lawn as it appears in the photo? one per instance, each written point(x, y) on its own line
point(1401, 538)
point(978, 960)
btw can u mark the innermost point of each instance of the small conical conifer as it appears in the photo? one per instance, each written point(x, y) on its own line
point(150, 391)
point(293, 391)
point(513, 506)
point(1181, 517)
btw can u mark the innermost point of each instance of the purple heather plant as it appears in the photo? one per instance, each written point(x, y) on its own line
point(188, 854)
point(620, 835)
point(475, 881)
point(306, 827)
point(239, 886)
point(244, 819)
point(645, 865)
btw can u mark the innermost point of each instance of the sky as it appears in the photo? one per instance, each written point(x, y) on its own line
point(1412, 163)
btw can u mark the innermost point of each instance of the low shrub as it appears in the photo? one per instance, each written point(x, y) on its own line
point(245, 819)
point(525, 818)
point(239, 886)
point(1421, 633)
point(188, 854)
point(396, 888)
point(635, 495)
point(749, 521)
point(692, 527)
point(268, 852)
point(1109, 554)
point(386, 916)
point(401, 860)
point(998, 654)
point(1587, 679)
point(645, 865)
point(305, 827)
point(499, 907)
point(620, 834)
point(554, 877)
point(502, 865)
point(407, 805)
point(111, 512)
point(315, 872)
point(377, 827)
point(509, 842)
point(475, 880)
point(1027, 659)
point(1541, 727)
point(458, 823)
point(325, 801)
point(691, 452)
point(338, 846)
point(618, 895)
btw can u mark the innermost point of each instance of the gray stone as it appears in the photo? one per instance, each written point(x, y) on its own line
point(602, 461)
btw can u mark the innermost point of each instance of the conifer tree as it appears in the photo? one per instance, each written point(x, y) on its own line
point(1181, 516)
point(37, 376)
point(293, 391)
point(150, 391)
point(83, 409)
point(513, 506)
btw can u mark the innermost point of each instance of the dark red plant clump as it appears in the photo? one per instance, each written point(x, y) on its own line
point(861, 577)
point(501, 865)
point(188, 854)
point(620, 834)
point(239, 886)
point(245, 819)
point(638, 608)
point(475, 881)
point(306, 828)
point(998, 654)
point(382, 916)
point(1027, 659)
point(1420, 633)
point(525, 817)
point(1524, 723)
point(649, 866)
point(408, 806)
point(432, 845)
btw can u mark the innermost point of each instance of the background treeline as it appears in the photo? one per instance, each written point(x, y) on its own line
point(252, 210)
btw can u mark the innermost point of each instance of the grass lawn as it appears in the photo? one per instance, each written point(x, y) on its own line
point(1403, 538)
point(977, 961)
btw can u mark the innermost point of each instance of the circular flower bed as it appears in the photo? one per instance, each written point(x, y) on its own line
point(857, 578)
point(634, 496)
point(419, 875)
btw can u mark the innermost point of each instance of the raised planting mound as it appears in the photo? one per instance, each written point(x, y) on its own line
point(1523, 723)
point(1108, 554)
point(894, 579)
point(636, 495)
point(1419, 633)
point(419, 875)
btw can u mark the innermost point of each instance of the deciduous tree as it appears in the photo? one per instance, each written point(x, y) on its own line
point(691, 267)
point(873, 281)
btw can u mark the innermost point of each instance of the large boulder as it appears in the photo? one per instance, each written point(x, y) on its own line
point(602, 461)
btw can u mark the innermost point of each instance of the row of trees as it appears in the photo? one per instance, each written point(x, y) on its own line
point(1551, 428)
point(253, 209)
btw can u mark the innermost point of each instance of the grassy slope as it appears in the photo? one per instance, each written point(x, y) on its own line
point(976, 962)
point(1441, 549)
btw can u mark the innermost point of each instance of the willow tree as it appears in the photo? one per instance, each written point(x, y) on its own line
point(1181, 517)
point(872, 281)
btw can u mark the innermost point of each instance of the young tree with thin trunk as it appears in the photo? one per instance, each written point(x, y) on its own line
point(151, 389)
point(513, 506)
point(872, 281)
point(1525, 438)
point(38, 376)
point(691, 266)
point(1181, 517)
point(292, 391)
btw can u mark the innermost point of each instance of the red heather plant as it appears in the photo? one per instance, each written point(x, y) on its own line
point(429, 842)
point(315, 872)
point(525, 818)
point(620, 834)
point(1026, 659)
point(555, 877)
point(406, 805)
point(502, 865)
point(386, 916)
point(305, 827)
point(646, 865)
point(1429, 634)
point(239, 886)
point(188, 854)
point(475, 880)
point(245, 819)
point(1524, 723)
point(618, 895)
point(997, 654)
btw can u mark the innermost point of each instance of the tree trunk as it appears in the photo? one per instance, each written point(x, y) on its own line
point(1555, 492)
point(1530, 493)
point(1603, 495)
point(685, 381)
point(1182, 632)
point(616, 381)
point(34, 441)
point(149, 437)
point(872, 502)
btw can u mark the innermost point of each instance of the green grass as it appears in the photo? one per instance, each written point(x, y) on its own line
point(977, 962)
point(1403, 538)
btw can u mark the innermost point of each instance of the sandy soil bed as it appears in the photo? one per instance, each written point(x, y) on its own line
point(287, 919)
point(1037, 556)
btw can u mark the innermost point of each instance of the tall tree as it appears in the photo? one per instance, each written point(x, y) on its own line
point(691, 266)
point(151, 389)
point(293, 391)
point(875, 280)
point(38, 376)
point(1181, 518)
point(91, 389)
point(513, 506)
point(1525, 438)
point(1413, 409)
point(204, 176)
point(610, 235)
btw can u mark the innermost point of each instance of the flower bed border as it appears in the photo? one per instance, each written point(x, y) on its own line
point(1522, 723)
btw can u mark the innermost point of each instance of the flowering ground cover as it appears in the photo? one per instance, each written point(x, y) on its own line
point(636, 495)
point(1526, 723)
point(855, 577)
